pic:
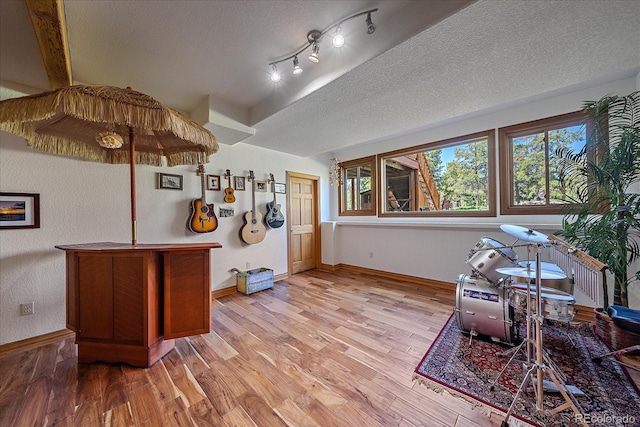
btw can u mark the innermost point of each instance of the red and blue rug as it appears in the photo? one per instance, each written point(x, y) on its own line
point(468, 370)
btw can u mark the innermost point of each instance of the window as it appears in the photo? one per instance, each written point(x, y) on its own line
point(529, 178)
point(454, 177)
point(357, 192)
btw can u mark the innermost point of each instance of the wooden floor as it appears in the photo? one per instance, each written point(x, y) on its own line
point(320, 349)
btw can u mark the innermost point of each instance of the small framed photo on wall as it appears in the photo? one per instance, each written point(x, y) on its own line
point(239, 183)
point(19, 210)
point(169, 182)
point(213, 182)
point(261, 186)
point(280, 188)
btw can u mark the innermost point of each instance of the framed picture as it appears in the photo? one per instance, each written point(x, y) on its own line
point(19, 210)
point(170, 182)
point(260, 185)
point(280, 187)
point(225, 212)
point(213, 182)
point(239, 183)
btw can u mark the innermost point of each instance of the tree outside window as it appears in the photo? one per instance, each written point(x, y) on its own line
point(445, 178)
point(529, 181)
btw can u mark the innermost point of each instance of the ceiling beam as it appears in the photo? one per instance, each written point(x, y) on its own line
point(47, 17)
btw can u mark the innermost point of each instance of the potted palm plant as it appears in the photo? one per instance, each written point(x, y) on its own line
point(604, 219)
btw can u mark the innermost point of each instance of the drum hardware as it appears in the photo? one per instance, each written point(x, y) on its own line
point(542, 364)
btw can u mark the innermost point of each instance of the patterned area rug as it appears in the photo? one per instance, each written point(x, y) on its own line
point(468, 370)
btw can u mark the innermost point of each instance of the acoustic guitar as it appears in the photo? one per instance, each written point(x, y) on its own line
point(253, 231)
point(229, 197)
point(203, 217)
point(274, 217)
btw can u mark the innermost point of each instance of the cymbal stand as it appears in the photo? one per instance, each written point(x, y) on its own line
point(542, 363)
point(528, 340)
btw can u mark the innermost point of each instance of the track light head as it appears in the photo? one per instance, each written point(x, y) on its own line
point(371, 27)
point(313, 37)
point(296, 67)
point(315, 50)
point(338, 38)
point(275, 75)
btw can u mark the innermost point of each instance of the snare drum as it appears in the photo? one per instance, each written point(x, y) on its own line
point(489, 254)
point(556, 305)
point(483, 308)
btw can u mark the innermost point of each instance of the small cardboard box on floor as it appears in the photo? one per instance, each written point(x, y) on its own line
point(250, 281)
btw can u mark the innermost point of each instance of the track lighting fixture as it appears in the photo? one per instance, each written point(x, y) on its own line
point(296, 67)
point(314, 37)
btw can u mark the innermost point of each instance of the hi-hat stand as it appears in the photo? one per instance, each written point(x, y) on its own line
point(542, 365)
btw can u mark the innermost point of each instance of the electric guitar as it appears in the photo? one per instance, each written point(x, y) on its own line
point(253, 231)
point(203, 217)
point(274, 217)
point(228, 192)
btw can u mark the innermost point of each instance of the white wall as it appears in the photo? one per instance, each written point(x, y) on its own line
point(82, 202)
point(437, 248)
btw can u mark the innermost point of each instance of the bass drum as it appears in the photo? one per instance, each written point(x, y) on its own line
point(483, 308)
point(489, 254)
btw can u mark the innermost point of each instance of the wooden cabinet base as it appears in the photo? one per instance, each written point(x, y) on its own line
point(134, 355)
point(127, 303)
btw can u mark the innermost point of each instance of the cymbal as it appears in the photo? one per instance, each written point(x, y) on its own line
point(524, 234)
point(547, 266)
point(530, 274)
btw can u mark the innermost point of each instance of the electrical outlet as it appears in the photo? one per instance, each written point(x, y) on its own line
point(27, 308)
point(370, 254)
point(248, 265)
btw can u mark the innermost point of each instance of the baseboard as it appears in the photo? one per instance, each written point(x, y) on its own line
point(231, 290)
point(219, 293)
point(440, 286)
point(328, 267)
point(34, 342)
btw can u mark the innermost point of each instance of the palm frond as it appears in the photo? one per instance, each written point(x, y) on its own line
point(606, 224)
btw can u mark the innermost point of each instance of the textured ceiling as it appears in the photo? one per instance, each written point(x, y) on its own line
point(428, 62)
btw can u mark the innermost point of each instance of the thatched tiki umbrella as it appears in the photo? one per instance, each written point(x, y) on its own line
point(109, 125)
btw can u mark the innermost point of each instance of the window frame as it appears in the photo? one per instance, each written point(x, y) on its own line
point(363, 161)
point(489, 135)
point(505, 149)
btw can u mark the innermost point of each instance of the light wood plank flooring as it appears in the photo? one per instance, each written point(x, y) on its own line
point(320, 349)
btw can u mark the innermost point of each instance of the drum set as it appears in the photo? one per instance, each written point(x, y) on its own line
point(500, 286)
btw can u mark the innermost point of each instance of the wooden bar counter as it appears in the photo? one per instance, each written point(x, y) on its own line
point(127, 303)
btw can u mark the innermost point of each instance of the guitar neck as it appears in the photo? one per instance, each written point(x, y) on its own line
point(273, 189)
point(202, 184)
point(253, 200)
